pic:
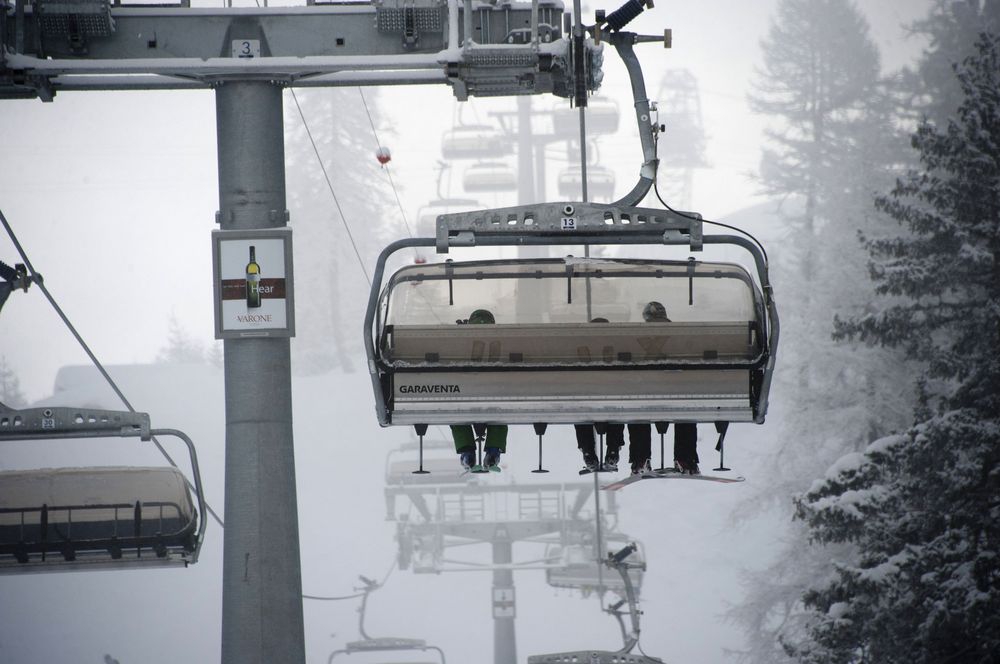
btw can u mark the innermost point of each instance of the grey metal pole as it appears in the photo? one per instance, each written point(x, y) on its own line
point(504, 637)
point(261, 575)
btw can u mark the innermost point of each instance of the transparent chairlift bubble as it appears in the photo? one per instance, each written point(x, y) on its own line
point(600, 182)
point(475, 142)
point(602, 118)
point(489, 177)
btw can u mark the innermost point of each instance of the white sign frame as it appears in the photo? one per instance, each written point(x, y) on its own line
point(229, 261)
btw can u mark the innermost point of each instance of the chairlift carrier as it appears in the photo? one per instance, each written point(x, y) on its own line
point(549, 363)
point(101, 518)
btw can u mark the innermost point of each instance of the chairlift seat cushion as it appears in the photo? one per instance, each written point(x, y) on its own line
point(573, 344)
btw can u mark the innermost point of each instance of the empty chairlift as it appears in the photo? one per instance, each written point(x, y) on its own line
point(475, 142)
point(547, 358)
point(602, 118)
point(489, 177)
point(63, 519)
point(600, 182)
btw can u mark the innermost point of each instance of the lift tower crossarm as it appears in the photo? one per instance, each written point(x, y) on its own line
point(53, 45)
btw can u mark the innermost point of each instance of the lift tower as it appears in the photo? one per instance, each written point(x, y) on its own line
point(248, 56)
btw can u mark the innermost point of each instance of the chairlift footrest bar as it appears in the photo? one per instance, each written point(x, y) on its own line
point(59, 422)
point(567, 223)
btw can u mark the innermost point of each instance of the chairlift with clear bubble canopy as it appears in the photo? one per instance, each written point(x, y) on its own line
point(600, 181)
point(569, 343)
point(489, 177)
point(543, 360)
point(475, 142)
point(602, 118)
point(77, 519)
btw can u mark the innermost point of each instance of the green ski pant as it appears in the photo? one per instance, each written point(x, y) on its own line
point(465, 439)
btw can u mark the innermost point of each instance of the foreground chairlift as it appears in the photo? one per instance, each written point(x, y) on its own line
point(369, 644)
point(543, 360)
point(72, 519)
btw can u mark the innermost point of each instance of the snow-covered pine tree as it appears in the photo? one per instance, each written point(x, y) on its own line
point(951, 29)
point(331, 289)
point(181, 347)
point(10, 386)
point(922, 508)
point(836, 150)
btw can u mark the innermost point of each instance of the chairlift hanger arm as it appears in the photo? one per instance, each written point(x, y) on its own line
point(617, 561)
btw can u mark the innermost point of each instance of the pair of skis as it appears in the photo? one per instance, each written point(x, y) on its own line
point(669, 473)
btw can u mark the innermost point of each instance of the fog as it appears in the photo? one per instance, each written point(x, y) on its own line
point(113, 197)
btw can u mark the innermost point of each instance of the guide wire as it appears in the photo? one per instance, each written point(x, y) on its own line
point(329, 184)
point(40, 282)
point(388, 172)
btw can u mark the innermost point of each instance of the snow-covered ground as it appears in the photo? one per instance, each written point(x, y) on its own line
point(694, 550)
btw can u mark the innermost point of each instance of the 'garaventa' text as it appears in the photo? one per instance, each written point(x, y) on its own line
point(427, 389)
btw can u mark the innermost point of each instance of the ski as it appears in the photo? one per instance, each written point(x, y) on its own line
point(600, 469)
point(670, 473)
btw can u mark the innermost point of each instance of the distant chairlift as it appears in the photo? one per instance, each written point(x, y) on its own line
point(428, 214)
point(69, 519)
point(369, 644)
point(600, 182)
point(475, 142)
point(489, 177)
point(543, 360)
point(622, 564)
point(602, 118)
point(579, 569)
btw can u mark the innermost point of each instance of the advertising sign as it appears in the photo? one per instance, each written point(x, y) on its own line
point(253, 283)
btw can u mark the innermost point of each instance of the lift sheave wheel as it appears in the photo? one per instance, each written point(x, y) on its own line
point(73, 519)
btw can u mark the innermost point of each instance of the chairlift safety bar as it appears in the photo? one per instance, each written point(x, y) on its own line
point(567, 223)
point(58, 423)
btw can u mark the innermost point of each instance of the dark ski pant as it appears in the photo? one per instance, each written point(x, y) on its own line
point(640, 439)
point(615, 438)
point(465, 438)
point(686, 442)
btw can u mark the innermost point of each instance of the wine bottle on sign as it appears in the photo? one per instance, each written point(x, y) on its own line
point(253, 280)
